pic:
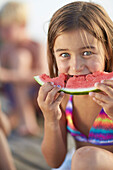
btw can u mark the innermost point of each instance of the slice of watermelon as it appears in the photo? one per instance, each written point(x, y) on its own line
point(82, 84)
point(57, 80)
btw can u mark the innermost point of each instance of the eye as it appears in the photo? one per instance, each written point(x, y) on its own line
point(87, 53)
point(64, 55)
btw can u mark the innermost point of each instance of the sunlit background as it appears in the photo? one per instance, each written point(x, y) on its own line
point(40, 12)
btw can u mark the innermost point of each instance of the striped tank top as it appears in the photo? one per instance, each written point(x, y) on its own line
point(101, 133)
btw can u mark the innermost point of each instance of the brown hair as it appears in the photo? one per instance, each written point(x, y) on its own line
point(87, 16)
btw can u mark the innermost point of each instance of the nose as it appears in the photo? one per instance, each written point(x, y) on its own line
point(77, 64)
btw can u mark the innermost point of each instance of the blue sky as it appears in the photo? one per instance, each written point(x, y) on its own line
point(40, 12)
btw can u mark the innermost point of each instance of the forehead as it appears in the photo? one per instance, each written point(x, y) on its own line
point(76, 38)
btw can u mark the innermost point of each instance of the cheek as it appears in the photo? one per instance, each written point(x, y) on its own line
point(62, 69)
point(62, 66)
point(97, 66)
point(59, 65)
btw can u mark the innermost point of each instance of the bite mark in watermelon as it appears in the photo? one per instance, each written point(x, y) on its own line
point(82, 84)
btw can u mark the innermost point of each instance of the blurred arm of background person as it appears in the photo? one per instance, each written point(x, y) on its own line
point(4, 123)
point(28, 64)
point(6, 159)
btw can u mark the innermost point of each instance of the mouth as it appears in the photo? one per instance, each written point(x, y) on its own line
point(78, 75)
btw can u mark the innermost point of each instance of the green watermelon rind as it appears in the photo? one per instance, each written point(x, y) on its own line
point(79, 91)
point(37, 78)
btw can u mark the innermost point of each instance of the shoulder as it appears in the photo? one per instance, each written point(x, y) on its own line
point(30, 44)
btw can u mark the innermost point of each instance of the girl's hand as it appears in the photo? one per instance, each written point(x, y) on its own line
point(105, 97)
point(49, 100)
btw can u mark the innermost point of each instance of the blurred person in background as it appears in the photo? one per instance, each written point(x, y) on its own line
point(21, 58)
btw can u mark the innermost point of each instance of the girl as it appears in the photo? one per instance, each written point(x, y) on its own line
point(80, 41)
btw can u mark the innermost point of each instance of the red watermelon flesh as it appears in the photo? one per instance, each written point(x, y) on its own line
point(82, 84)
point(89, 80)
point(57, 80)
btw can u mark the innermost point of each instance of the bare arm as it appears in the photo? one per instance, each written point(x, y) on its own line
point(23, 72)
point(54, 145)
point(6, 160)
point(4, 123)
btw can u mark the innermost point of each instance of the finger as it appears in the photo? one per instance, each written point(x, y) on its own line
point(59, 98)
point(101, 103)
point(108, 82)
point(52, 94)
point(107, 89)
point(101, 97)
point(44, 90)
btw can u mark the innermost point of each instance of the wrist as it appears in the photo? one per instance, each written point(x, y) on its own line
point(52, 124)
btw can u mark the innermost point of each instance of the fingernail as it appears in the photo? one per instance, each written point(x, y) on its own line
point(90, 93)
point(102, 81)
point(58, 86)
point(96, 84)
point(52, 83)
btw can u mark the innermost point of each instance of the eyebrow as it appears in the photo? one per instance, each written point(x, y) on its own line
point(87, 47)
point(82, 48)
point(61, 49)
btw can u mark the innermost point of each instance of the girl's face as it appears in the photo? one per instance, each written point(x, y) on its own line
point(78, 53)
